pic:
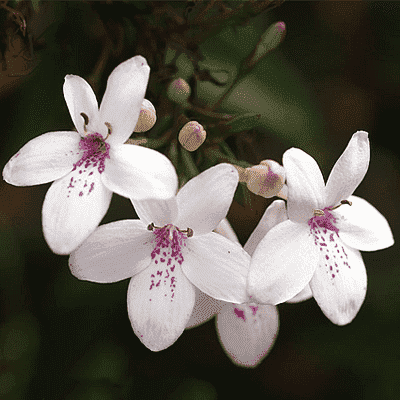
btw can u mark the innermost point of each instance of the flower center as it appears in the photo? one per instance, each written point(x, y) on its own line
point(167, 253)
point(326, 237)
point(171, 239)
point(95, 149)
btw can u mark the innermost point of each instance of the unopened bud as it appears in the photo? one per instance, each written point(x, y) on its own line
point(266, 179)
point(269, 40)
point(147, 117)
point(178, 91)
point(192, 136)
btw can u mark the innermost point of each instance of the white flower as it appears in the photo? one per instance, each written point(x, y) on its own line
point(317, 245)
point(166, 252)
point(88, 165)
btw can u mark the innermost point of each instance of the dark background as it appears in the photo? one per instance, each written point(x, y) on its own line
point(336, 72)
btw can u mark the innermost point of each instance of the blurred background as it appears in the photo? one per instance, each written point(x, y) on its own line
point(337, 71)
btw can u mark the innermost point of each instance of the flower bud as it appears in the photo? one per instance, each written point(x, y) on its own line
point(266, 179)
point(178, 91)
point(192, 136)
point(147, 117)
point(269, 40)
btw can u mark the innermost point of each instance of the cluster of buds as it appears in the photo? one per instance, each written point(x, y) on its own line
point(266, 179)
point(192, 136)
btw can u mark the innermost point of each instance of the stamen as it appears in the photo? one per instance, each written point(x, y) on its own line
point(341, 203)
point(86, 118)
point(188, 231)
point(108, 125)
point(318, 212)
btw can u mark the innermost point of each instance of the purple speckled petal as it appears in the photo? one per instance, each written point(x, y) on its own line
point(339, 284)
point(161, 298)
point(247, 332)
point(73, 208)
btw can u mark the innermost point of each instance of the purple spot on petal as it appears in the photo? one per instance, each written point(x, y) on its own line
point(239, 314)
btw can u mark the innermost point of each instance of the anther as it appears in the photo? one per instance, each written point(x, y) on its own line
point(108, 125)
point(86, 118)
point(318, 212)
point(341, 203)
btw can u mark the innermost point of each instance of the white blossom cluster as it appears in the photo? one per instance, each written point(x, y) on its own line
point(183, 259)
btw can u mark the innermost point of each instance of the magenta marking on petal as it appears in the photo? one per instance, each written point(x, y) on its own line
point(239, 314)
point(327, 241)
point(168, 242)
point(254, 309)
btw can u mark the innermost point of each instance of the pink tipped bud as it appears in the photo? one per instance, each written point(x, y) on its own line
point(147, 117)
point(178, 91)
point(266, 179)
point(192, 136)
point(269, 40)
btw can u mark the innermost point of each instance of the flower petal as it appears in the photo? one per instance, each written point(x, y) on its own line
point(160, 212)
point(306, 188)
point(217, 266)
point(305, 294)
point(247, 332)
point(340, 292)
point(43, 159)
point(205, 200)
point(362, 226)
point(160, 302)
point(73, 208)
point(80, 98)
point(113, 252)
point(349, 170)
point(139, 173)
point(205, 307)
point(225, 229)
point(122, 100)
point(282, 264)
point(273, 215)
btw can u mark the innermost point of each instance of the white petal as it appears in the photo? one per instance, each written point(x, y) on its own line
point(43, 159)
point(217, 266)
point(73, 208)
point(282, 264)
point(205, 307)
point(113, 252)
point(339, 284)
point(305, 294)
point(160, 212)
point(362, 226)
point(160, 302)
point(139, 173)
point(80, 98)
point(273, 215)
point(122, 100)
point(247, 332)
point(306, 188)
point(205, 200)
point(349, 170)
point(224, 228)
